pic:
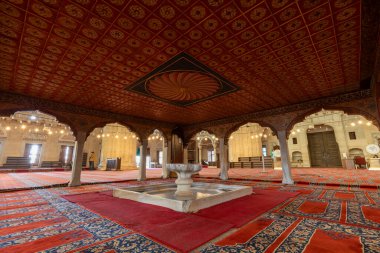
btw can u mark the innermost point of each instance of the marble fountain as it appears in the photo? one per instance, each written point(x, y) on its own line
point(184, 195)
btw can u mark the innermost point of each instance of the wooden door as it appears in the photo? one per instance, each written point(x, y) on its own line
point(316, 149)
point(62, 154)
point(323, 149)
point(332, 154)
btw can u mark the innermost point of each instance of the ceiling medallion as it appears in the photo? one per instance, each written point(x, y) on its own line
point(183, 81)
point(182, 85)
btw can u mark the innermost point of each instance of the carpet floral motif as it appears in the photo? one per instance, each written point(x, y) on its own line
point(332, 211)
point(41, 220)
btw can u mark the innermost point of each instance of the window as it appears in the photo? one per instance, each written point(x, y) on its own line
point(211, 156)
point(264, 149)
point(160, 156)
point(147, 160)
point(66, 155)
point(352, 135)
point(34, 153)
point(295, 141)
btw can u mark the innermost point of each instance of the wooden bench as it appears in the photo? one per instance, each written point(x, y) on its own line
point(51, 164)
point(252, 162)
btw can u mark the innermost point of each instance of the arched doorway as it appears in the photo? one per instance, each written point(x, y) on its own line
point(249, 143)
point(202, 148)
point(155, 150)
point(323, 147)
point(115, 147)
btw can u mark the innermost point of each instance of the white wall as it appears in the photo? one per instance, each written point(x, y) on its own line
point(245, 142)
point(13, 143)
point(155, 146)
point(118, 141)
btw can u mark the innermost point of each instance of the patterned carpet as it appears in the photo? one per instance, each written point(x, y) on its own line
point(316, 176)
point(320, 219)
point(41, 179)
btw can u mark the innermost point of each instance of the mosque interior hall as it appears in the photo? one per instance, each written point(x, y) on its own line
point(190, 126)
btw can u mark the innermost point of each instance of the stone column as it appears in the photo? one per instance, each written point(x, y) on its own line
point(100, 165)
point(142, 169)
point(286, 173)
point(165, 172)
point(196, 152)
point(215, 156)
point(77, 159)
point(200, 154)
point(223, 158)
point(185, 158)
point(169, 155)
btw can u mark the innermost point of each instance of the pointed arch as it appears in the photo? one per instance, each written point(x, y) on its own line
point(104, 123)
point(60, 118)
point(347, 110)
point(238, 125)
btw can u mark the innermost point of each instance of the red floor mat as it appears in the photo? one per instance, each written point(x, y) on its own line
point(181, 231)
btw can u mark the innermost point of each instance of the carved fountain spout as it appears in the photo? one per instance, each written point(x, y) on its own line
point(184, 181)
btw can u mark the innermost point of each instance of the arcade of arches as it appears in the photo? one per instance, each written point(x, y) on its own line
point(327, 139)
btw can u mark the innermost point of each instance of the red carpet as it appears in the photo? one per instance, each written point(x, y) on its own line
point(332, 242)
point(180, 231)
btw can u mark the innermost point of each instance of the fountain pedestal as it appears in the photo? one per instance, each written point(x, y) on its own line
point(184, 181)
point(184, 195)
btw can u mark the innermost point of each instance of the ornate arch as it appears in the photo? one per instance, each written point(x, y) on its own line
point(104, 123)
point(347, 110)
point(61, 119)
point(165, 138)
point(189, 136)
point(238, 125)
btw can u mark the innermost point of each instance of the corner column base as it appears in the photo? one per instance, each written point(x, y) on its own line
point(223, 176)
point(287, 181)
point(73, 184)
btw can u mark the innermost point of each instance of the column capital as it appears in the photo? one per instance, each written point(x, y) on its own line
point(143, 142)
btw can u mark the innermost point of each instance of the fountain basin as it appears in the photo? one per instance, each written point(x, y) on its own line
point(203, 195)
point(184, 172)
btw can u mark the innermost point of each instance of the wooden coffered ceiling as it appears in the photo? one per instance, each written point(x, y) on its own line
point(90, 53)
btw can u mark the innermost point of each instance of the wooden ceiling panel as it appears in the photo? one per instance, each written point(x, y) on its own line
point(88, 53)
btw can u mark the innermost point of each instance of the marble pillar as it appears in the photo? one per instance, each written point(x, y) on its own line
point(215, 158)
point(200, 154)
point(142, 169)
point(185, 155)
point(77, 158)
point(196, 152)
point(165, 172)
point(286, 173)
point(223, 158)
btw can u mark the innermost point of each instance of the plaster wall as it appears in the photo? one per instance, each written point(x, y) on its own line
point(118, 141)
point(246, 141)
point(155, 146)
point(13, 143)
point(342, 125)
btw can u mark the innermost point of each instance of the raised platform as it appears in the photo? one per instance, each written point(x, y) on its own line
point(204, 195)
